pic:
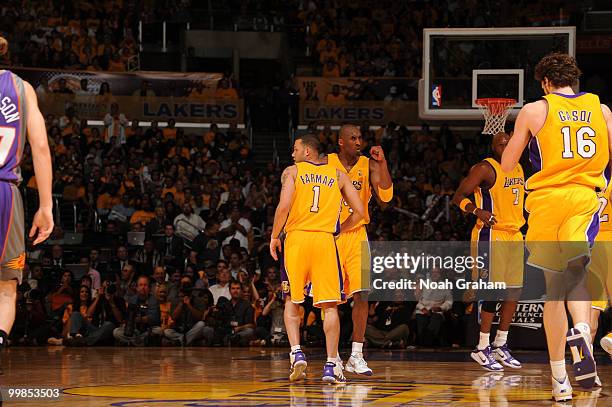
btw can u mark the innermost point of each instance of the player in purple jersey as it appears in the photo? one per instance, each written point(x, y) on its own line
point(19, 114)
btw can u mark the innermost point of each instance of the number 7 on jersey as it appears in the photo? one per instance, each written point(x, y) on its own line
point(7, 136)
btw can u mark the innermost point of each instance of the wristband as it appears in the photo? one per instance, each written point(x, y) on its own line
point(464, 203)
point(385, 194)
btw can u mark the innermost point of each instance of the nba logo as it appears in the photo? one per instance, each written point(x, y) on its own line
point(436, 96)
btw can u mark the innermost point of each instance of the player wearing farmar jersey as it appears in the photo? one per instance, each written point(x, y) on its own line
point(599, 275)
point(367, 175)
point(570, 140)
point(497, 238)
point(309, 209)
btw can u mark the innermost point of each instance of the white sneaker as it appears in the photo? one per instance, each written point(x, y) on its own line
point(357, 364)
point(606, 343)
point(597, 382)
point(562, 391)
point(298, 366)
point(339, 363)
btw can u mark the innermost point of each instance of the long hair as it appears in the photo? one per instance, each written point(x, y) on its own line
point(77, 299)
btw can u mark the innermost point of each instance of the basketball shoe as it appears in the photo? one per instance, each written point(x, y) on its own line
point(561, 391)
point(606, 343)
point(332, 374)
point(298, 366)
point(502, 354)
point(357, 364)
point(585, 370)
point(339, 362)
point(486, 359)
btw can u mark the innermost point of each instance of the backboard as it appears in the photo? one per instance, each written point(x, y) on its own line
point(461, 65)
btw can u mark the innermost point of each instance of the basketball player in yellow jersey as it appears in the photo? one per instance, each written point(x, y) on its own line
point(309, 209)
point(599, 277)
point(570, 136)
point(499, 209)
point(366, 174)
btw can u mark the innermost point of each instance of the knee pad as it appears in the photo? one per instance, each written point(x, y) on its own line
point(489, 306)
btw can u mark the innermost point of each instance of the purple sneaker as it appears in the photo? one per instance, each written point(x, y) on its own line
point(332, 374)
point(298, 366)
point(502, 354)
point(486, 359)
point(585, 371)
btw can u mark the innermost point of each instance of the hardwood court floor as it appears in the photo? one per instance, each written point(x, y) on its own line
point(139, 377)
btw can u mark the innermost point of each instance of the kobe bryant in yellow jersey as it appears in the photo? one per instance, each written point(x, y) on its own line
point(569, 147)
point(367, 175)
point(497, 236)
point(309, 211)
point(599, 276)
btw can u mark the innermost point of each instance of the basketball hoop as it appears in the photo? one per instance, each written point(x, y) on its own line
point(495, 111)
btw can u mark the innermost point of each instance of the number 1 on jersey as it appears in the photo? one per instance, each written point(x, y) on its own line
point(7, 136)
point(315, 199)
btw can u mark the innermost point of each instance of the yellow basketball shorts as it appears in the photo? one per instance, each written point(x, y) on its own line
point(311, 257)
point(563, 224)
point(599, 278)
point(354, 251)
point(503, 253)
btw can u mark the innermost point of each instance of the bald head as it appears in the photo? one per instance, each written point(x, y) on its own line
point(498, 144)
point(347, 130)
point(350, 141)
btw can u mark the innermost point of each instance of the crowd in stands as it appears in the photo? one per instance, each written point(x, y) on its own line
point(174, 232)
point(75, 35)
point(173, 226)
point(384, 38)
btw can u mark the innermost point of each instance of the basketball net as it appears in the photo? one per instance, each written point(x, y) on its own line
point(495, 111)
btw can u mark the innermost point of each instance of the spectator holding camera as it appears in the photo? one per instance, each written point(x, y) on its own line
point(188, 314)
point(143, 316)
point(103, 315)
point(31, 327)
point(237, 317)
point(271, 325)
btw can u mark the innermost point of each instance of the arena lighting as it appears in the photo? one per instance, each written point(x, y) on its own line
point(178, 124)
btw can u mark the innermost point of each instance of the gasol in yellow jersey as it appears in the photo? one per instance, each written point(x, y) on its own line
point(360, 177)
point(572, 146)
point(317, 199)
point(504, 199)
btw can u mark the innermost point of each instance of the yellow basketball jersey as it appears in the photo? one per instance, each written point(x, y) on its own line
point(572, 146)
point(605, 209)
point(316, 200)
point(360, 177)
point(504, 199)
